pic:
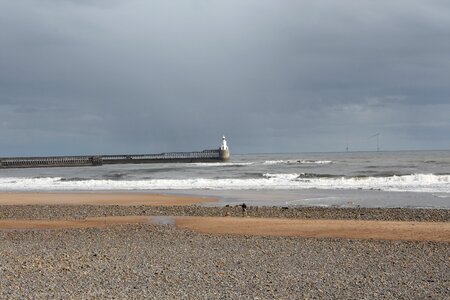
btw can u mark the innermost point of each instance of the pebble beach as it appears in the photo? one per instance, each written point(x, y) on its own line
point(161, 262)
point(157, 261)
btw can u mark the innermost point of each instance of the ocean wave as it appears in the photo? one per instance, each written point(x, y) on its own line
point(411, 183)
point(64, 179)
point(317, 162)
point(302, 161)
point(224, 164)
point(314, 175)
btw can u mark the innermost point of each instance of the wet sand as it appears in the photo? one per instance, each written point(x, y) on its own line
point(263, 226)
point(348, 229)
point(126, 199)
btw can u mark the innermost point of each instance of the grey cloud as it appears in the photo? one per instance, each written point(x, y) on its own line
point(275, 76)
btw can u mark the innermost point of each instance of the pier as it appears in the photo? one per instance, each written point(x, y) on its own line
point(216, 155)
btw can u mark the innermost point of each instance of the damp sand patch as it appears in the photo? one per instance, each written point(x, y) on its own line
point(346, 229)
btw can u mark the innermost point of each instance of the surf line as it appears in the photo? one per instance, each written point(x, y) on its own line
point(312, 199)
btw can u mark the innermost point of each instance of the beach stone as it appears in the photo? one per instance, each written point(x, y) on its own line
point(84, 211)
point(156, 261)
point(162, 262)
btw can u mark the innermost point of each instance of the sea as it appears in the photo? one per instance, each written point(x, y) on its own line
point(416, 179)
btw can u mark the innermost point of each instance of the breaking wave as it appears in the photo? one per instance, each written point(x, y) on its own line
point(411, 183)
point(302, 161)
point(224, 164)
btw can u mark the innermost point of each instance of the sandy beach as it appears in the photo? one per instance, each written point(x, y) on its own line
point(124, 245)
point(72, 198)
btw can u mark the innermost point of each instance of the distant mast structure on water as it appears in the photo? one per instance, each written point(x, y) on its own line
point(377, 135)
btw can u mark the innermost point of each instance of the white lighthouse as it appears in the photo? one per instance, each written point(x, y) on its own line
point(224, 144)
point(224, 151)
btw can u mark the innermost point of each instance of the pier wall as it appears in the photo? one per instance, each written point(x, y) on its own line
point(98, 160)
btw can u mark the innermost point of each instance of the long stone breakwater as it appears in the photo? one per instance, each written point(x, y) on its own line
point(215, 155)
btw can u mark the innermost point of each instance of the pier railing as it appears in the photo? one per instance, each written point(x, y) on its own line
point(97, 160)
point(208, 154)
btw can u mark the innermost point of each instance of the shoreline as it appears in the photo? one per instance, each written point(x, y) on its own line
point(28, 211)
point(207, 198)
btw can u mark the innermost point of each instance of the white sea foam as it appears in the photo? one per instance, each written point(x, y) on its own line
point(412, 183)
point(318, 162)
point(441, 196)
point(274, 162)
point(224, 164)
point(302, 161)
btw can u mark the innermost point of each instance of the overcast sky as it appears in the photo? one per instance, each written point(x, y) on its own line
point(106, 76)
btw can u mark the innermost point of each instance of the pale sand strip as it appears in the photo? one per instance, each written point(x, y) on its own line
point(98, 199)
point(351, 229)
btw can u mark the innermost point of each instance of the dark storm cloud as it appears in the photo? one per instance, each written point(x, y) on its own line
point(139, 76)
